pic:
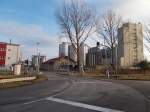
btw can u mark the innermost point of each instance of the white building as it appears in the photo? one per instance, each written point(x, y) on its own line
point(36, 60)
point(63, 49)
point(9, 54)
point(83, 51)
point(72, 53)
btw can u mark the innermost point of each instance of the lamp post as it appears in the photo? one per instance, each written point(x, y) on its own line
point(38, 58)
point(116, 54)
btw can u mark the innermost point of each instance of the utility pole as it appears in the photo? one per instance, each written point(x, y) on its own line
point(116, 59)
point(10, 41)
point(38, 59)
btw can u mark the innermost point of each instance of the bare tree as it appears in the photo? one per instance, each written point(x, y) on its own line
point(109, 29)
point(77, 22)
point(147, 37)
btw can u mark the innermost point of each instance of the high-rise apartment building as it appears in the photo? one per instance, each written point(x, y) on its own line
point(130, 44)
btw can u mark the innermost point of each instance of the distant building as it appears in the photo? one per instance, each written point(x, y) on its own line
point(36, 59)
point(9, 54)
point(83, 51)
point(59, 63)
point(63, 49)
point(106, 56)
point(72, 53)
point(94, 56)
point(130, 47)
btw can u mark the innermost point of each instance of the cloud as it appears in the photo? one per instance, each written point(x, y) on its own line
point(136, 10)
point(28, 35)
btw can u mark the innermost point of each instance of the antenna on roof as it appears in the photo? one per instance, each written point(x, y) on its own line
point(10, 41)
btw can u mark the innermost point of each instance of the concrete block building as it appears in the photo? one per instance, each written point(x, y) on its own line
point(130, 44)
point(9, 54)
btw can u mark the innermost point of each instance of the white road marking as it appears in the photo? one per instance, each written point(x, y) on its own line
point(27, 103)
point(86, 82)
point(82, 105)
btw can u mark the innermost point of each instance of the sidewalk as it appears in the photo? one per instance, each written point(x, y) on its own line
point(17, 79)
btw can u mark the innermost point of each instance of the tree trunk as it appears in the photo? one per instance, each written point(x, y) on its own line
point(112, 57)
point(78, 57)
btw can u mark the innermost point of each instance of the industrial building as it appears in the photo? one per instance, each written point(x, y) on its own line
point(66, 49)
point(130, 44)
point(94, 56)
point(83, 51)
point(63, 49)
point(37, 60)
point(72, 53)
point(9, 54)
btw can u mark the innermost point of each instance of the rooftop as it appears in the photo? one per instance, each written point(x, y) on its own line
point(9, 43)
point(56, 59)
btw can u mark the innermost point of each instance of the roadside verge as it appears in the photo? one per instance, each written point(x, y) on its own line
point(21, 81)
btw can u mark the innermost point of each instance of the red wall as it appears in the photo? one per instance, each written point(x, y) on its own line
point(2, 53)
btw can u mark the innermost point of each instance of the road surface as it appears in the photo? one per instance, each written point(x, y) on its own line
point(77, 94)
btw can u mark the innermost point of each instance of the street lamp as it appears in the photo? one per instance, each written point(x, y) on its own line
point(38, 59)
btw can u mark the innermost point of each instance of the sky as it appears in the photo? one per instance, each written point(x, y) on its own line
point(27, 22)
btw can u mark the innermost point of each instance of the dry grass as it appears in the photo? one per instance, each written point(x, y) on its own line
point(134, 77)
point(39, 78)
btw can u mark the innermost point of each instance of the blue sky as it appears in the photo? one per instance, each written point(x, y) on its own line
point(29, 21)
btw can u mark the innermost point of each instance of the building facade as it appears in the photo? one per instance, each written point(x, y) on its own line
point(56, 64)
point(63, 49)
point(94, 56)
point(36, 60)
point(9, 54)
point(72, 53)
point(106, 56)
point(83, 52)
point(130, 44)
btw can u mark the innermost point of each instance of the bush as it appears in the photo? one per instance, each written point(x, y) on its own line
point(144, 65)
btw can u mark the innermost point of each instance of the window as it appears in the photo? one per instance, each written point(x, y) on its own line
point(9, 49)
point(8, 57)
point(2, 57)
point(2, 49)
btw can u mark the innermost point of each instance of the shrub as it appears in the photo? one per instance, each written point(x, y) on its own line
point(144, 65)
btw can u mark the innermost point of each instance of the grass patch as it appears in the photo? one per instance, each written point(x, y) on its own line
point(134, 77)
point(4, 72)
point(13, 76)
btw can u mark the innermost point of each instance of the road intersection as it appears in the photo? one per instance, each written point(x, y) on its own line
point(71, 94)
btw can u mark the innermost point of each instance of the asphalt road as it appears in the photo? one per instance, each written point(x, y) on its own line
point(77, 94)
